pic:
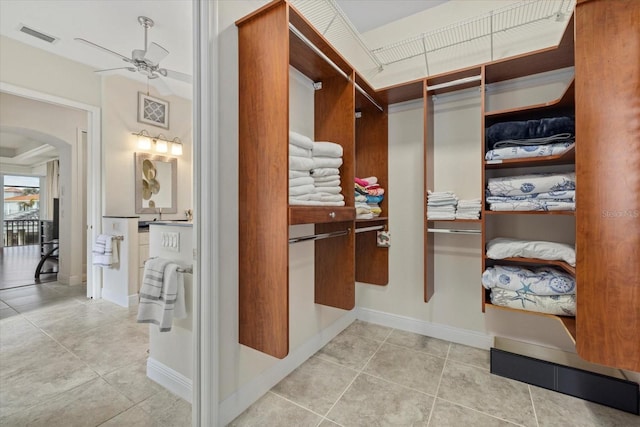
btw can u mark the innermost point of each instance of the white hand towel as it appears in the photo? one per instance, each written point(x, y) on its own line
point(300, 163)
point(326, 162)
point(296, 182)
point(329, 190)
point(294, 150)
point(161, 294)
point(334, 183)
point(105, 251)
point(327, 149)
point(331, 197)
point(300, 140)
point(298, 174)
point(326, 178)
point(314, 203)
point(301, 189)
point(317, 172)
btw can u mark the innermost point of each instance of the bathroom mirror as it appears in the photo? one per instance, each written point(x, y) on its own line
point(156, 183)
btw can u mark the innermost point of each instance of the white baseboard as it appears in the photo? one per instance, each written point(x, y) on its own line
point(121, 300)
point(435, 330)
point(172, 380)
point(246, 395)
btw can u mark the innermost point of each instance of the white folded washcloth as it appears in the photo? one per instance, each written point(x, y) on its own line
point(326, 162)
point(327, 149)
point(294, 150)
point(296, 182)
point(329, 190)
point(298, 174)
point(300, 140)
point(326, 178)
point(301, 189)
point(316, 172)
point(334, 183)
point(314, 203)
point(331, 197)
point(300, 163)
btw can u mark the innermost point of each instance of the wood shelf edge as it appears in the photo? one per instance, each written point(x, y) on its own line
point(567, 323)
point(566, 99)
point(566, 213)
point(455, 220)
point(568, 157)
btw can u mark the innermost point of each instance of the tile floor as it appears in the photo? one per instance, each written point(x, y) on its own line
point(370, 375)
point(69, 361)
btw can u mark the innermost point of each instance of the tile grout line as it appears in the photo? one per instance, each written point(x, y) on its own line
point(297, 404)
point(359, 371)
point(533, 405)
point(444, 366)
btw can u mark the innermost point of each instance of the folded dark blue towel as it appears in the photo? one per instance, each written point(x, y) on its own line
point(527, 129)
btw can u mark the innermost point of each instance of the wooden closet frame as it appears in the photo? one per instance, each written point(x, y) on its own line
point(269, 44)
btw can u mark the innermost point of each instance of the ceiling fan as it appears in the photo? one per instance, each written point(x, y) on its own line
point(145, 61)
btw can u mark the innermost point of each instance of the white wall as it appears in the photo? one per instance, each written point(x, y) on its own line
point(25, 66)
point(58, 126)
point(119, 121)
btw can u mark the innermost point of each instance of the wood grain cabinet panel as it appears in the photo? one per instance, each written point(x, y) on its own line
point(608, 182)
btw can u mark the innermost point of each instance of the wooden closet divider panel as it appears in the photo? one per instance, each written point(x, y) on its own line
point(334, 267)
point(263, 188)
point(608, 182)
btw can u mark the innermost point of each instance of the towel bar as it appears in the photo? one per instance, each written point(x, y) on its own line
point(188, 270)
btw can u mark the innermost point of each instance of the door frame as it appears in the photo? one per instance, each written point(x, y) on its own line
point(94, 194)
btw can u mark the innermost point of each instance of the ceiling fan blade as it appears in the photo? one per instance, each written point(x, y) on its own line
point(113, 69)
point(162, 86)
point(124, 58)
point(176, 75)
point(155, 53)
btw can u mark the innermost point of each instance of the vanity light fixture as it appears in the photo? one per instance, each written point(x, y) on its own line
point(158, 143)
point(176, 146)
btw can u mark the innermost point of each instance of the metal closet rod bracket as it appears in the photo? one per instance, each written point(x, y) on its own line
point(321, 54)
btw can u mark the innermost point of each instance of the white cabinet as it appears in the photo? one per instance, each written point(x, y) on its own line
point(143, 254)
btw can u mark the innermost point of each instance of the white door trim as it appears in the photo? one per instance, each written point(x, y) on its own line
point(94, 169)
point(205, 402)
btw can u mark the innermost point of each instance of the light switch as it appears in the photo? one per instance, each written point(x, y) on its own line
point(170, 241)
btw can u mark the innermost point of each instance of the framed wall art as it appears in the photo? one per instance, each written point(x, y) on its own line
point(153, 111)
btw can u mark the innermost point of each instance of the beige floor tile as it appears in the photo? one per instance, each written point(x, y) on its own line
point(88, 405)
point(349, 349)
point(447, 414)
point(17, 331)
point(316, 384)
point(327, 423)
point(79, 321)
point(177, 414)
point(553, 409)
point(373, 402)
point(6, 313)
point(406, 367)
point(132, 381)
point(369, 330)
point(3, 305)
point(131, 417)
point(476, 388)
point(102, 348)
point(158, 401)
point(48, 314)
point(38, 371)
point(469, 355)
point(419, 342)
point(40, 307)
point(67, 290)
point(273, 411)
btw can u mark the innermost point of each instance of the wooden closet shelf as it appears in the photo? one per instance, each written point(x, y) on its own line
point(565, 102)
point(488, 212)
point(320, 214)
point(566, 158)
point(366, 222)
point(568, 323)
point(518, 260)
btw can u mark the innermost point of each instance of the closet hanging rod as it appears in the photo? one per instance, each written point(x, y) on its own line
point(452, 231)
point(454, 83)
point(319, 236)
point(328, 60)
point(372, 228)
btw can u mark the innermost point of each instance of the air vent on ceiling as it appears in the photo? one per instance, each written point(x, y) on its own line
point(37, 34)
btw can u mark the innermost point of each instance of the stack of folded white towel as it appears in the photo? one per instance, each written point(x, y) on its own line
point(441, 205)
point(327, 159)
point(469, 209)
point(301, 188)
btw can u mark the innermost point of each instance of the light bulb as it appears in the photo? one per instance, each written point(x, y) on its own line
point(176, 148)
point(161, 146)
point(144, 143)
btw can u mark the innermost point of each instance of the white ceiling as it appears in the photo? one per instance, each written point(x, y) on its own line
point(366, 15)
